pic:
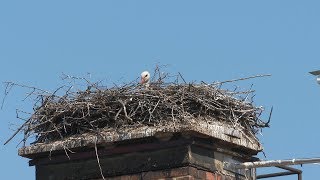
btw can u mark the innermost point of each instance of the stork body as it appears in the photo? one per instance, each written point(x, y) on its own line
point(145, 78)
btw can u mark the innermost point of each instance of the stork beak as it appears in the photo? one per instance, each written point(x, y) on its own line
point(142, 80)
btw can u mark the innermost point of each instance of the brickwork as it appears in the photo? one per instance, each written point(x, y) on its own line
point(183, 157)
point(183, 173)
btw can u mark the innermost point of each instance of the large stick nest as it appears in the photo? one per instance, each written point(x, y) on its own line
point(93, 109)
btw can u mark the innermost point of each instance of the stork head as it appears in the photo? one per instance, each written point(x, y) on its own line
point(145, 77)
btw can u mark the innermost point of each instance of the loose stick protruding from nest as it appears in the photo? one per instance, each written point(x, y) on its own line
point(98, 160)
point(241, 79)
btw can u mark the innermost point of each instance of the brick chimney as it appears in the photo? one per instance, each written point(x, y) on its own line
point(192, 150)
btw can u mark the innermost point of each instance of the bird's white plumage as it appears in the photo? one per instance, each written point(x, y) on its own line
point(145, 78)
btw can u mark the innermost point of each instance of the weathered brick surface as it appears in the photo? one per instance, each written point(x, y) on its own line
point(155, 174)
point(200, 173)
point(184, 178)
point(124, 177)
point(182, 173)
point(210, 176)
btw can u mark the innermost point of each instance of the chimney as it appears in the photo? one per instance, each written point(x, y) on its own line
point(145, 131)
point(192, 149)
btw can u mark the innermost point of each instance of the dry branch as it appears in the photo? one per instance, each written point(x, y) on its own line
point(95, 108)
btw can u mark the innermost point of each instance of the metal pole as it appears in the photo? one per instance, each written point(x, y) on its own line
point(300, 176)
point(249, 165)
point(275, 174)
point(298, 171)
point(290, 171)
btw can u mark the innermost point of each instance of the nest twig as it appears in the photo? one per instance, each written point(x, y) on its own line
point(56, 117)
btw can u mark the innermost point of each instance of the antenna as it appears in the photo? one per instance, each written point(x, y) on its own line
point(316, 73)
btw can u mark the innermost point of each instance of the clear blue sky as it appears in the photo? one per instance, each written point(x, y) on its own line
point(204, 40)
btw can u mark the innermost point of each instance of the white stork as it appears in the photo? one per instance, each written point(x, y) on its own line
point(145, 78)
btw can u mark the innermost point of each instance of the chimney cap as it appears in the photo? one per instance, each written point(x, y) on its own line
point(220, 131)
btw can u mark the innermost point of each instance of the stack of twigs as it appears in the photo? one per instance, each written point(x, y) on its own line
point(90, 110)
